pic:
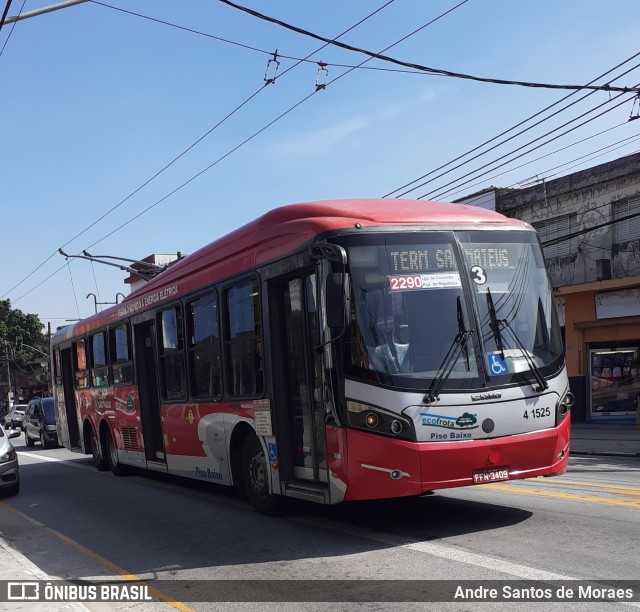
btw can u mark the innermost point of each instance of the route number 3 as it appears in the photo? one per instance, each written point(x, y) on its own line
point(478, 276)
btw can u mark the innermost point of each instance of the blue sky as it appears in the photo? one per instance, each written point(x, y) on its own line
point(96, 101)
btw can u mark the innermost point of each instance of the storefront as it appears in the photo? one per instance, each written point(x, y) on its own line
point(602, 344)
point(614, 383)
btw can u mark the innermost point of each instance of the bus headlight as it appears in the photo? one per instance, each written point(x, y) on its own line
point(564, 406)
point(380, 421)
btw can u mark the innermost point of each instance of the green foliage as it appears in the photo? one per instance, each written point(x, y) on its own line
point(22, 337)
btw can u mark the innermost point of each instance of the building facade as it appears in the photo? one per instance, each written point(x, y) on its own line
point(589, 226)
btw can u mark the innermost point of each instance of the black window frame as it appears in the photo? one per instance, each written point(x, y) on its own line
point(211, 351)
point(80, 374)
point(99, 376)
point(119, 366)
point(244, 351)
point(172, 359)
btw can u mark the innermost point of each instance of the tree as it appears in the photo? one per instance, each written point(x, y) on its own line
point(22, 338)
point(24, 356)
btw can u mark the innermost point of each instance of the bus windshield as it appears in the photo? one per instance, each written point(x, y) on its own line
point(413, 322)
point(519, 328)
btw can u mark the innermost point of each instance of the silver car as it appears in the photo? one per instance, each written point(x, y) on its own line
point(9, 469)
point(13, 420)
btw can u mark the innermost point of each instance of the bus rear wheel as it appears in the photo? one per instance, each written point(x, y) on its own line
point(99, 459)
point(118, 468)
point(255, 478)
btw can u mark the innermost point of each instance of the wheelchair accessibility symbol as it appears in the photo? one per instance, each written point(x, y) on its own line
point(497, 364)
point(273, 453)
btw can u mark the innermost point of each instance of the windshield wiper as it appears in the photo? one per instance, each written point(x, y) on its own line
point(495, 325)
point(458, 345)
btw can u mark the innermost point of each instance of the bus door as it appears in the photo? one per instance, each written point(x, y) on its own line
point(145, 359)
point(70, 408)
point(301, 377)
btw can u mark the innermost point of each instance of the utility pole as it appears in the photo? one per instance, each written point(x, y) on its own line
point(5, 380)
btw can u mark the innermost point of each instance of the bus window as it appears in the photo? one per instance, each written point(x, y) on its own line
point(98, 360)
point(80, 365)
point(57, 367)
point(120, 355)
point(244, 348)
point(171, 354)
point(204, 347)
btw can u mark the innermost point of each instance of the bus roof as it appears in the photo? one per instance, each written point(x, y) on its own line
point(282, 231)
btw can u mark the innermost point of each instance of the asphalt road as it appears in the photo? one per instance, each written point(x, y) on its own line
point(76, 523)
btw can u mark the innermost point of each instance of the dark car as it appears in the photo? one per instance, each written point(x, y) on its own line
point(9, 468)
point(39, 422)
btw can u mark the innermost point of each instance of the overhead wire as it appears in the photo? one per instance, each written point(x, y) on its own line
point(439, 191)
point(573, 144)
point(4, 13)
point(13, 25)
point(436, 71)
point(256, 49)
point(229, 115)
point(267, 126)
point(505, 132)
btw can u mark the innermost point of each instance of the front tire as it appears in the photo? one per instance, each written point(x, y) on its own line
point(43, 440)
point(255, 474)
point(27, 440)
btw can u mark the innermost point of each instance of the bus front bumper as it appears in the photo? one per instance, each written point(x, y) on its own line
point(379, 467)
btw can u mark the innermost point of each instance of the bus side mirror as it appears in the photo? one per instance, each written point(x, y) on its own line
point(338, 294)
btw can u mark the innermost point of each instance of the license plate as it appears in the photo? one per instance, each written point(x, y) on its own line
point(492, 475)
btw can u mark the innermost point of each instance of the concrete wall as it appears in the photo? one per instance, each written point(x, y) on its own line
point(590, 195)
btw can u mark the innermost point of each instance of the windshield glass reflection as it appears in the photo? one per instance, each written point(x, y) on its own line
point(410, 303)
point(406, 318)
point(522, 333)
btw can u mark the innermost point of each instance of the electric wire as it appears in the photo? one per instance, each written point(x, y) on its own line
point(504, 133)
point(73, 287)
point(229, 115)
point(435, 71)
point(13, 25)
point(256, 49)
point(4, 13)
point(268, 125)
point(439, 191)
point(573, 144)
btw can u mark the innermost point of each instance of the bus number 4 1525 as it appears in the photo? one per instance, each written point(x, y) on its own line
point(537, 413)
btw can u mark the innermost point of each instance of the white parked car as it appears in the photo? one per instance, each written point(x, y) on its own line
point(9, 469)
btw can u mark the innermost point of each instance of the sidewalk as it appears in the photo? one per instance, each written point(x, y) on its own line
point(15, 567)
point(607, 440)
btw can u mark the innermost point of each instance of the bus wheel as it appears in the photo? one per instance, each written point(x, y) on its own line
point(254, 476)
point(115, 465)
point(99, 459)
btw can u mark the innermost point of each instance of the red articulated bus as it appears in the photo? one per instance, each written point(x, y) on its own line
point(330, 351)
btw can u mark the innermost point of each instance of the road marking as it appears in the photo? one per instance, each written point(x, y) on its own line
point(624, 490)
point(443, 551)
point(41, 457)
point(112, 567)
point(567, 496)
